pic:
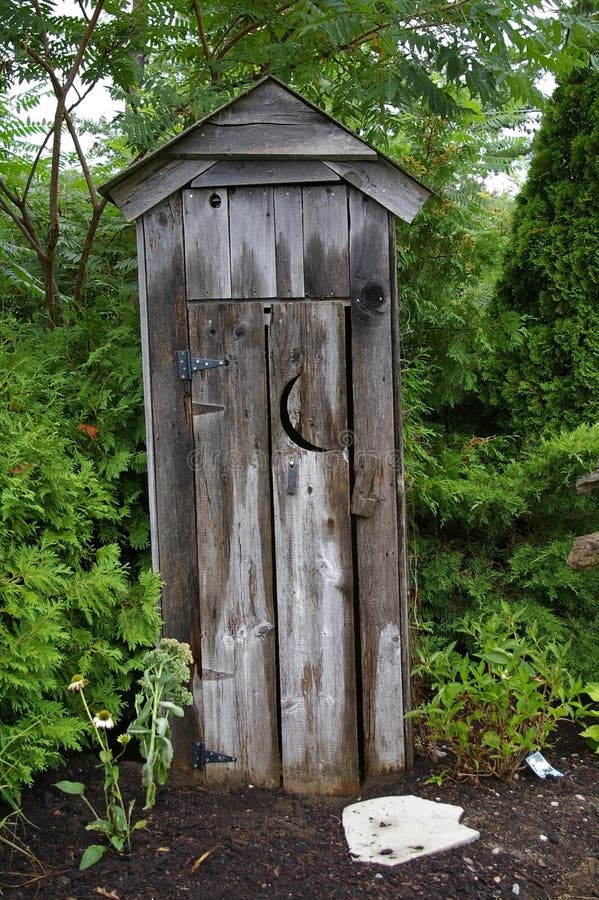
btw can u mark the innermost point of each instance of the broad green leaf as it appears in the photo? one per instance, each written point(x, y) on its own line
point(71, 787)
point(91, 856)
point(593, 691)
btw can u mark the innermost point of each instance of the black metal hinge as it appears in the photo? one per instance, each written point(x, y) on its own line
point(200, 756)
point(188, 364)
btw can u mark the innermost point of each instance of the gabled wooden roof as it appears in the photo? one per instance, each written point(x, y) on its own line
point(269, 123)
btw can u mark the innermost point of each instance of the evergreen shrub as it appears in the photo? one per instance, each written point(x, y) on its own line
point(76, 592)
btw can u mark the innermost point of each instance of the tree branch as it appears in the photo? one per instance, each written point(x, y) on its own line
point(31, 238)
point(248, 29)
point(35, 164)
point(82, 159)
point(87, 248)
point(202, 31)
point(14, 198)
point(83, 46)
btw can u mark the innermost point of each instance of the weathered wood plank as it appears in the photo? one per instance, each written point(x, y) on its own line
point(254, 171)
point(234, 543)
point(269, 103)
point(207, 255)
point(389, 186)
point(252, 234)
point(147, 388)
point(374, 462)
point(585, 552)
point(326, 250)
point(313, 550)
point(289, 241)
point(147, 187)
point(285, 142)
point(271, 121)
point(400, 488)
point(588, 483)
point(172, 440)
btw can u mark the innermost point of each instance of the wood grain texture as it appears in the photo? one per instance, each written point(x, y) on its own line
point(326, 249)
point(256, 141)
point(588, 483)
point(269, 121)
point(234, 544)
point(585, 552)
point(147, 187)
point(231, 173)
point(389, 186)
point(207, 253)
point(289, 241)
point(375, 461)
point(147, 388)
point(313, 551)
point(400, 488)
point(252, 236)
point(172, 440)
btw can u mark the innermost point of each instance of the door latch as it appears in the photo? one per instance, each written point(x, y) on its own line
point(291, 477)
point(188, 364)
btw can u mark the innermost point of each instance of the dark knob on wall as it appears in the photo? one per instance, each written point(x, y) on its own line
point(371, 302)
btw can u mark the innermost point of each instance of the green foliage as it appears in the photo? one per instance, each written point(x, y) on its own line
point(73, 593)
point(591, 732)
point(163, 694)
point(171, 63)
point(500, 700)
point(497, 521)
point(116, 824)
point(550, 283)
point(450, 256)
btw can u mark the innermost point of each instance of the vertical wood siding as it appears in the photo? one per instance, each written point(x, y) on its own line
point(374, 450)
point(171, 439)
point(234, 542)
point(313, 551)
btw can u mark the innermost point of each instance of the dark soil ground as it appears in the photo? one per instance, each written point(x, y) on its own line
point(539, 839)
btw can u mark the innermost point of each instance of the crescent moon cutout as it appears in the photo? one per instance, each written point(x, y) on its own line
point(290, 429)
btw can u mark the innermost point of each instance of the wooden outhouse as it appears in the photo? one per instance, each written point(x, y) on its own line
point(272, 388)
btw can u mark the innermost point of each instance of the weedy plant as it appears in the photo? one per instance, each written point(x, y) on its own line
point(117, 824)
point(163, 693)
point(494, 704)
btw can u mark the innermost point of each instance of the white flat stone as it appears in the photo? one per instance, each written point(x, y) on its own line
point(393, 830)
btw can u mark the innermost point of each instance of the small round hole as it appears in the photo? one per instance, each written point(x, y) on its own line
point(215, 201)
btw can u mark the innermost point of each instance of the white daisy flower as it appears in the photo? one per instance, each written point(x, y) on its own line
point(103, 719)
point(78, 682)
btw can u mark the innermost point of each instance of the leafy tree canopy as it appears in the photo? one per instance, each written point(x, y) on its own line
point(365, 60)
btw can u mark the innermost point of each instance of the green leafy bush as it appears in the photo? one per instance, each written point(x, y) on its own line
point(73, 594)
point(499, 700)
point(496, 521)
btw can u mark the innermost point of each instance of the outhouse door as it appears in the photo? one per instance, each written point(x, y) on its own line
point(294, 468)
point(272, 487)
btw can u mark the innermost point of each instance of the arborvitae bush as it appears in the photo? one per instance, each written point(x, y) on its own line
point(550, 284)
point(74, 595)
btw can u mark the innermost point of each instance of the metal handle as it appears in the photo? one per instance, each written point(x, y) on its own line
point(291, 477)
